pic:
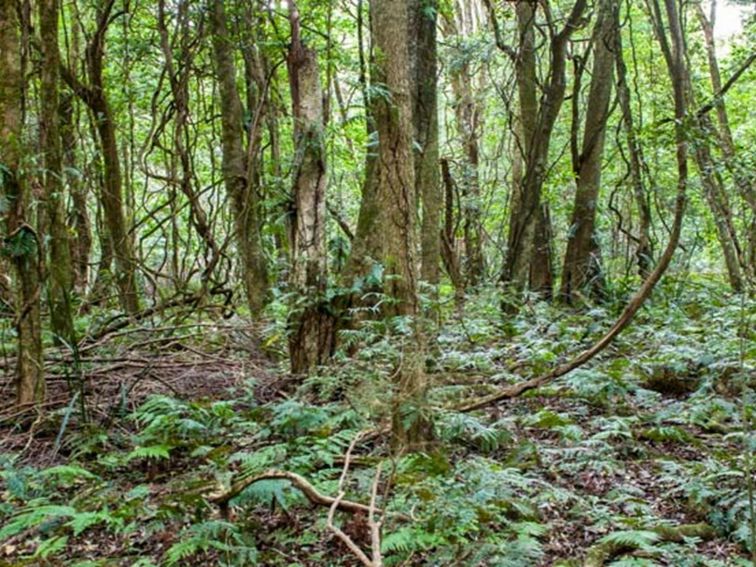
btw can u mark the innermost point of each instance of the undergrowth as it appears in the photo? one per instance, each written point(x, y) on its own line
point(649, 437)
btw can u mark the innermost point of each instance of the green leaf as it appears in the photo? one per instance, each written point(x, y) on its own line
point(33, 516)
point(51, 546)
point(150, 452)
point(639, 539)
point(68, 473)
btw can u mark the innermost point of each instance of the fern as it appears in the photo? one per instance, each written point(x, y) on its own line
point(468, 429)
point(68, 473)
point(33, 516)
point(51, 546)
point(151, 452)
point(636, 539)
point(212, 534)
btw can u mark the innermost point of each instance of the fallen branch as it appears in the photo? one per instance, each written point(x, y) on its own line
point(301, 484)
point(376, 560)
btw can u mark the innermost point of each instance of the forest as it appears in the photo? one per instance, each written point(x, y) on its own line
point(377, 283)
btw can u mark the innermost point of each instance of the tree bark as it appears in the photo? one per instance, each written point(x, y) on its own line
point(81, 243)
point(59, 265)
point(644, 246)
point(528, 257)
point(745, 180)
point(449, 250)
point(235, 174)
point(425, 118)
point(311, 339)
point(396, 203)
point(467, 112)
point(366, 245)
point(716, 198)
point(582, 272)
point(111, 195)
point(20, 241)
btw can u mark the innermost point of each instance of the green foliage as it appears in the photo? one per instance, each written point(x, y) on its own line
point(595, 451)
point(469, 430)
point(224, 537)
point(636, 539)
point(20, 244)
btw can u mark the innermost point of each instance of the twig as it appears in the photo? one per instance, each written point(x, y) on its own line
point(375, 536)
point(375, 526)
point(353, 547)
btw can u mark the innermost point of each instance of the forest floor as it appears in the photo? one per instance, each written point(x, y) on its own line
point(638, 458)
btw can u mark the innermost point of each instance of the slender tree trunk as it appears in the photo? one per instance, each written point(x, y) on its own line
point(582, 270)
point(718, 203)
point(311, 340)
point(395, 198)
point(235, 174)
point(81, 243)
point(20, 240)
point(59, 266)
point(425, 117)
point(528, 256)
point(449, 250)
point(367, 238)
point(467, 112)
point(112, 205)
point(644, 250)
point(111, 195)
point(745, 180)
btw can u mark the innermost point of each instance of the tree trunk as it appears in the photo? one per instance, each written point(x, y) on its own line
point(59, 266)
point(745, 180)
point(395, 199)
point(111, 195)
point(20, 240)
point(644, 249)
point(467, 112)
point(311, 340)
point(425, 119)
point(81, 244)
point(449, 237)
point(582, 270)
point(718, 203)
point(367, 239)
point(528, 257)
point(241, 191)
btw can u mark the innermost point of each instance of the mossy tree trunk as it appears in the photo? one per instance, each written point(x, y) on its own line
point(236, 177)
point(528, 262)
point(111, 195)
point(582, 271)
point(425, 117)
point(396, 203)
point(60, 267)
point(20, 241)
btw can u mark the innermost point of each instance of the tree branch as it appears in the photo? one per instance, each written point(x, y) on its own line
point(301, 484)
